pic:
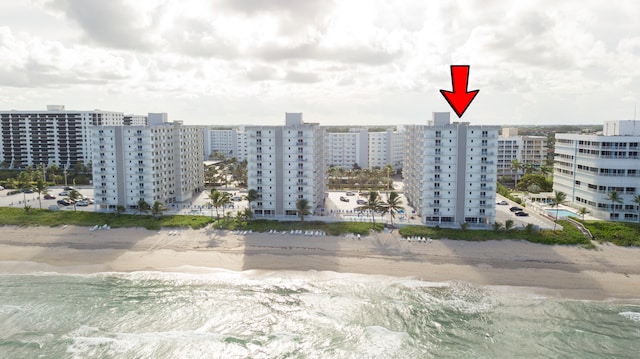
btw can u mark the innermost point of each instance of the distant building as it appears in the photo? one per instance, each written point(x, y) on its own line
point(346, 149)
point(589, 167)
point(53, 137)
point(527, 150)
point(386, 147)
point(450, 171)
point(285, 164)
point(161, 162)
point(232, 142)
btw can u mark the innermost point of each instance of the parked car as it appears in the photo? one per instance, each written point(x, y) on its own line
point(48, 196)
point(515, 209)
point(350, 194)
point(90, 200)
point(28, 190)
point(63, 193)
point(361, 202)
point(82, 203)
point(1, 188)
point(69, 188)
point(502, 203)
point(63, 202)
point(344, 199)
point(236, 198)
point(522, 214)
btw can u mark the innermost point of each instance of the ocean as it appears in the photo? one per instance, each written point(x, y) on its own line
point(225, 314)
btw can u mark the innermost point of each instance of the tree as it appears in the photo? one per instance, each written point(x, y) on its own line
point(157, 209)
point(143, 206)
point(508, 225)
point(303, 208)
point(374, 203)
point(558, 199)
point(392, 205)
point(251, 196)
point(614, 197)
point(497, 226)
point(544, 183)
point(214, 197)
point(636, 200)
point(545, 170)
point(517, 166)
point(41, 188)
point(74, 196)
point(24, 182)
point(222, 200)
point(583, 211)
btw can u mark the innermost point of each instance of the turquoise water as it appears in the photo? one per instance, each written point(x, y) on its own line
point(289, 315)
point(561, 213)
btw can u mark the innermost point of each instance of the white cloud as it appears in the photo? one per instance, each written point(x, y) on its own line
point(340, 61)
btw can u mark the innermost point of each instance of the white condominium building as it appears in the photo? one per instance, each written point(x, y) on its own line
point(158, 162)
point(53, 137)
point(344, 149)
point(232, 142)
point(285, 164)
point(528, 150)
point(450, 171)
point(386, 148)
point(509, 149)
point(589, 167)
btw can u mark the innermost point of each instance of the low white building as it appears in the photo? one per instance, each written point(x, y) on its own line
point(589, 167)
point(158, 162)
point(450, 171)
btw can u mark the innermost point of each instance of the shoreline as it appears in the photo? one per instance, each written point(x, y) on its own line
point(606, 273)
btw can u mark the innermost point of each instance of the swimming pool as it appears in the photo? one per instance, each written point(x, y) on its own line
point(561, 213)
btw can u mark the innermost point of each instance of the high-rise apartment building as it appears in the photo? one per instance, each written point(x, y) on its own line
point(158, 162)
point(450, 171)
point(285, 164)
point(386, 147)
point(53, 137)
point(590, 167)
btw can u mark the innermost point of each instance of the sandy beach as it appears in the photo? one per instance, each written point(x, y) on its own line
point(607, 273)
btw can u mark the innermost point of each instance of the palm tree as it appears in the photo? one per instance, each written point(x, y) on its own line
point(517, 166)
point(214, 196)
point(41, 188)
point(558, 199)
point(373, 204)
point(74, 196)
point(143, 206)
point(223, 200)
point(303, 208)
point(583, 211)
point(614, 197)
point(251, 196)
point(545, 170)
point(392, 205)
point(157, 209)
point(24, 182)
point(636, 200)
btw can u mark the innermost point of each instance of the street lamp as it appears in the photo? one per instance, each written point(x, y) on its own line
point(65, 176)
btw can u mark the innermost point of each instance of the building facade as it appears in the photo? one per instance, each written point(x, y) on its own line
point(232, 142)
point(529, 151)
point(158, 162)
point(386, 147)
point(53, 137)
point(589, 167)
point(285, 164)
point(346, 149)
point(450, 172)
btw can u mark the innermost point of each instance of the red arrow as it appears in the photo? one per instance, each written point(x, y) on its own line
point(460, 98)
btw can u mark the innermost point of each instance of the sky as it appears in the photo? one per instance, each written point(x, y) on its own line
point(369, 62)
